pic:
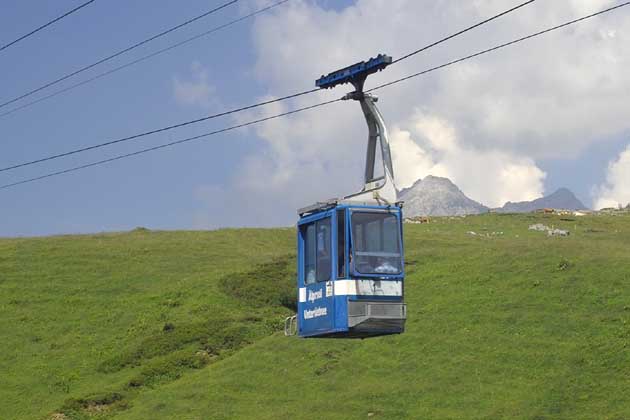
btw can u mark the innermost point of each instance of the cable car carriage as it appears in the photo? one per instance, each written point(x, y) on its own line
point(350, 250)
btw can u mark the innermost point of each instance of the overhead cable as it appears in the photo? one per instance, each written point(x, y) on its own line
point(165, 145)
point(45, 25)
point(462, 31)
point(316, 105)
point(121, 52)
point(498, 47)
point(141, 59)
point(159, 130)
point(128, 138)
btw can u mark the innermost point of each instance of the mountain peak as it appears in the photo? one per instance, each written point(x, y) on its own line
point(562, 192)
point(562, 198)
point(437, 196)
point(438, 180)
point(414, 185)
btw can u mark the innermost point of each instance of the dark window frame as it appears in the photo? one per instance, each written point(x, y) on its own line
point(322, 269)
point(341, 243)
point(326, 251)
point(312, 261)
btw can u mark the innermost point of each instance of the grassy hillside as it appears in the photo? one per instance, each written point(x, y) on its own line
point(89, 322)
point(503, 323)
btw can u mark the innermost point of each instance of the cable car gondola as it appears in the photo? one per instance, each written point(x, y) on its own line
point(350, 250)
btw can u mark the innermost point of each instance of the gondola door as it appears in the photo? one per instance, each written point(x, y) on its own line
point(316, 274)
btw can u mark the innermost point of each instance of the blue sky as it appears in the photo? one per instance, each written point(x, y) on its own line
point(212, 183)
point(152, 190)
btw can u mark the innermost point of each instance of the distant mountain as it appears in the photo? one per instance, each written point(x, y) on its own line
point(561, 199)
point(436, 196)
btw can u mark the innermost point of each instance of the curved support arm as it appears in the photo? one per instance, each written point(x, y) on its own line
point(377, 186)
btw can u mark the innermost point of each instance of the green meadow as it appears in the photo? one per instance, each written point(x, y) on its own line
point(503, 322)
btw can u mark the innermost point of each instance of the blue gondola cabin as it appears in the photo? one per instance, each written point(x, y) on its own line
point(350, 270)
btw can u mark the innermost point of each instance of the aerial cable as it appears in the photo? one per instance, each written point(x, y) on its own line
point(144, 58)
point(34, 31)
point(134, 46)
point(173, 143)
point(462, 31)
point(316, 105)
point(124, 139)
point(159, 130)
point(515, 41)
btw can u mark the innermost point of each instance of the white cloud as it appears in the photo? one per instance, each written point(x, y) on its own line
point(196, 91)
point(486, 121)
point(616, 190)
point(489, 176)
point(411, 162)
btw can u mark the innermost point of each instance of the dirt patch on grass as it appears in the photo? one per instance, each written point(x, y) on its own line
point(332, 358)
point(92, 405)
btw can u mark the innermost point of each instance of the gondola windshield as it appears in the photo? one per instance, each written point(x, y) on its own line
point(376, 243)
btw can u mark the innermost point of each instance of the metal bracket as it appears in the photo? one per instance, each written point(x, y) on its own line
point(376, 186)
point(290, 326)
point(382, 185)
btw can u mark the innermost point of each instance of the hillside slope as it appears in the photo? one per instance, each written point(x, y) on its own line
point(503, 323)
point(91, 322)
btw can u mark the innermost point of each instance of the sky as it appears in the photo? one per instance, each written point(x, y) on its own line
point(511, 125)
